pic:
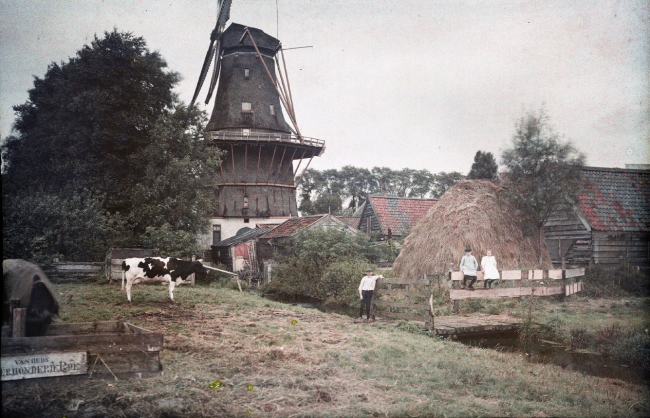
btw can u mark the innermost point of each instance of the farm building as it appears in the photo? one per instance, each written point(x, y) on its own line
point(239, 252)
point(472, 214)
point(353, 221)
point(609, 226)
point(384, 217)
point(280, 239)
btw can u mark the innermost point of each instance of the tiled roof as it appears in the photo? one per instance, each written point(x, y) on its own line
point(291, 226)
point(352, 221)
point(400, 214)
point(248, 235)
point(615, 199)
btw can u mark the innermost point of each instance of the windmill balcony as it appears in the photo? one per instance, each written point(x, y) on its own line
point(250, 136)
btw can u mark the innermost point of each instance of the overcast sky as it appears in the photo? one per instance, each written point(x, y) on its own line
point(408, 83)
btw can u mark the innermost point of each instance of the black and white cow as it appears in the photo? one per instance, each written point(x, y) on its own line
point(157, 269)
point(26, 281)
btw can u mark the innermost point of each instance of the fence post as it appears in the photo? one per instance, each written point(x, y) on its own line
point(455, 285)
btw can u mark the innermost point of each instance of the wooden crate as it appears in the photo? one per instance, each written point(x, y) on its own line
point(113, 349)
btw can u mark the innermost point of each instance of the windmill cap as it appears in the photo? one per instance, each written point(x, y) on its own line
point(467, 250)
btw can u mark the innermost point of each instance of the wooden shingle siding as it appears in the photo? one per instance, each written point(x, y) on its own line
point(567, 236)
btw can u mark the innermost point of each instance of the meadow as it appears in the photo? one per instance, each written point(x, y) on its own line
point(237, 354)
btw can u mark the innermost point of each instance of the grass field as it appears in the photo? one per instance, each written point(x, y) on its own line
point(279, 360)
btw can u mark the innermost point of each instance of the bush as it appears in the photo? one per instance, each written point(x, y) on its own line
point(634, 349)
point(614, 283)
point(325, 265)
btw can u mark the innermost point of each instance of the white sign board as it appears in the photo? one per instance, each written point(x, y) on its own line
point(43, 365)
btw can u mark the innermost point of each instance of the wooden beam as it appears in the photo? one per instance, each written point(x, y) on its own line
point(292, 157)
point(232, 155)
point(281, 160)
point(300, 162)
point(275, 148)
point(259, 159)
point(288, 186)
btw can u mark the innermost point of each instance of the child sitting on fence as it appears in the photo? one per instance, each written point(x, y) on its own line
point(490, 271)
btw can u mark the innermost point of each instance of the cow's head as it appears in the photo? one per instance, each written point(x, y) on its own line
point(197, 267)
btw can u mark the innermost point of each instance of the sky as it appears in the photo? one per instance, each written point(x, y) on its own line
point(422, 84)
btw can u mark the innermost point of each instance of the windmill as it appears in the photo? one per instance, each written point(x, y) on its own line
point(257, 179)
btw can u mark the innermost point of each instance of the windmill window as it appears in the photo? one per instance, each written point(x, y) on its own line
point(272, 109)
point(246, 220)
point(246, 107)
point(247, 72)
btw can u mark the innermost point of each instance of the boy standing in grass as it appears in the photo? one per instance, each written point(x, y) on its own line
point(366, 290)
point(468, 265)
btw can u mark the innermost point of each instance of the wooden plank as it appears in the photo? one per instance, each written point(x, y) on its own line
point(547, 291)
point(43, 365)
point(19, 322)
point(537, 275)
point(84, 328)
point(555, 274)
point(395, 292)
point(512, 292)
point(98, 343)
point(577, 272)
point(511, 275)
point(419, 282)
point(457, 275)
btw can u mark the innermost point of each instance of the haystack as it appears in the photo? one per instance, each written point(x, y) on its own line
point(472, 213)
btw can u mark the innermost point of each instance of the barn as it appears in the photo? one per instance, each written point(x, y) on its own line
point(384, 217)
point(610, 225)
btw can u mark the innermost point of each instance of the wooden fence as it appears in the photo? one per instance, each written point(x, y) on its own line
point(411, 298)
point(404, 299)
point(60, 272)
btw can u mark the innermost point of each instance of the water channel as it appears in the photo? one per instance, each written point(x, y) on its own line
point(508, 342)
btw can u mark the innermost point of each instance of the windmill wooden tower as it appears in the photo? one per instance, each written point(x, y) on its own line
point(258, 177)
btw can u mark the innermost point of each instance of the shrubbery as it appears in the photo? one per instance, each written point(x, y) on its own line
point(324, 265)
point(611, 283)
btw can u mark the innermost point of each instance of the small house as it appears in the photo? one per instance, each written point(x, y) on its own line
point(280, 239)
point(239, 252)
point(609, 226)
point(385, 217)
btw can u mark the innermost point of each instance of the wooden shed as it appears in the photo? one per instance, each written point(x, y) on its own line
point(610, 225)
point(239, 252)
point(115, 256)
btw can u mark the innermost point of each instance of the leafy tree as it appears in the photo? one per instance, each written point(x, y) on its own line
point(542, 172)
point(105, 131)
point(86, 120)
point(422, 182)
point(444, 181)
point(358, 182)
point(328, 203)
point(484, 167)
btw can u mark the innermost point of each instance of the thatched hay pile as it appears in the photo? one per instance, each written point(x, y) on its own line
point(472, 213)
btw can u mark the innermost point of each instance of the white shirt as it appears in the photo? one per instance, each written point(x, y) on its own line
point(368, 282)
point(489, 265)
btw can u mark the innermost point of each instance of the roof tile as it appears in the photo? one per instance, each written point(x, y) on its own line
point(616, 199)
point(400, 214)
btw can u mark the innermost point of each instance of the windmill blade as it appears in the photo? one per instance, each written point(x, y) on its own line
point(215, 71)
point(223, 15)
point(204, 71)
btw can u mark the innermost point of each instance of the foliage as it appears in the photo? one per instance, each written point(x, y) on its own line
point(105, 155)
point(356, 184)
point(600, 282)
point(484, 167)
point(42, 226)
point(542, 172)
point(324, 264)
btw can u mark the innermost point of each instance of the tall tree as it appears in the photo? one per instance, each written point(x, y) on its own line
point(542, 171)
point(484, 167)
point(105, 130)
point(86, 120)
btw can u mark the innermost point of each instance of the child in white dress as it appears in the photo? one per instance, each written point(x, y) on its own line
point(490, 271)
